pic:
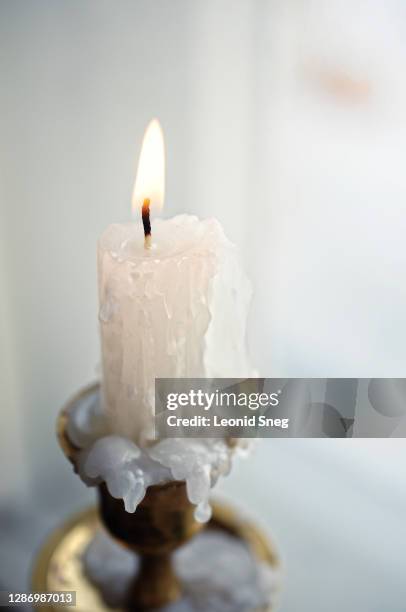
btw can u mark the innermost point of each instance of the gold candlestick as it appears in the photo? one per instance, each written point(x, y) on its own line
point(163, 522)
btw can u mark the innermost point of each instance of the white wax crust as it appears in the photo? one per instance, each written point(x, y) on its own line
point(176, 310)
point(129, 470)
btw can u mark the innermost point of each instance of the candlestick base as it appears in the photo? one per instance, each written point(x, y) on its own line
point(60, 565)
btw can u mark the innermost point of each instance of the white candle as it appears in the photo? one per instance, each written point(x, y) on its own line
point(177, 309)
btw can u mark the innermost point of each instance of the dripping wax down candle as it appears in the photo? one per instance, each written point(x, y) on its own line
point(173, 301)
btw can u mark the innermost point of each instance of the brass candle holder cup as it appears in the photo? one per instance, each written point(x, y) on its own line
point(162, 523)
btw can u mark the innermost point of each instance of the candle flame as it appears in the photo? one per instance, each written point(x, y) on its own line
point(150, 179)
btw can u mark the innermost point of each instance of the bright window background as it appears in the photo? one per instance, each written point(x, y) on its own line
point(285, 119)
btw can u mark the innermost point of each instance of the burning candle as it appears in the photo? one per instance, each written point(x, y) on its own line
point(173, 301)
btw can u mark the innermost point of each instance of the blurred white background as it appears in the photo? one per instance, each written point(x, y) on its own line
point(285, 119)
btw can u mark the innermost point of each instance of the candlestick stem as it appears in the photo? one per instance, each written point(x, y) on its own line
point(163, 521)
point(156, 583)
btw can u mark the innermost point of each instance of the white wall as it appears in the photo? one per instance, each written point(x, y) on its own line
point(294, 142)
point(80, 81)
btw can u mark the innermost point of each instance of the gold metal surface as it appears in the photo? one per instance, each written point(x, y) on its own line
point(58, 566)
